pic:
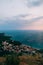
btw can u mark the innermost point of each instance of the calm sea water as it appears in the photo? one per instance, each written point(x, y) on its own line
point(27, 37)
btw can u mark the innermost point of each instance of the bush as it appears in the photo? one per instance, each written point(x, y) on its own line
point(12, 60)
point(17, 43)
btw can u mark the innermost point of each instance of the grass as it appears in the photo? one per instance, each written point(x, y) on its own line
point(21, 60)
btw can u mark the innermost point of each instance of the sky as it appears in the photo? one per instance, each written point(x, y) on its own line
point(21, 14)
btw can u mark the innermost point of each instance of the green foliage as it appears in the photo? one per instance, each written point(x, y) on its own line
point(17, 43)
point(12, 60)
point(4, 37)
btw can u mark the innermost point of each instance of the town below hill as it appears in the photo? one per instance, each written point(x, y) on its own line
point(11, 48)
point(7, 46)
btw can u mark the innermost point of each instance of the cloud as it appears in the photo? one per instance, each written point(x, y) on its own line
point(36, 19)
point(31, 3)
point(9, 8)
point(21, 16)
point(18, 23)
point(24, 15)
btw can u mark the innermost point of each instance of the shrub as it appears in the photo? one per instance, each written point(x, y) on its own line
point(12, 60)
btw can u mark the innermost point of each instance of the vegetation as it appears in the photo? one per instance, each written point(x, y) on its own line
point(13, 58)
point(7, 38)
point(4, 37)
point(17, 43)
point(31, 60)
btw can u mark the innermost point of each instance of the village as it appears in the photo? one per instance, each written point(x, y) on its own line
point(13, 52)
point(8, 46)
point(17, 48)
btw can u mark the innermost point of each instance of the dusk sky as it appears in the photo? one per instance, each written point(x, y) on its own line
point(21, 14)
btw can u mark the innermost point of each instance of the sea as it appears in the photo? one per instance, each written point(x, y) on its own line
point(33, 38)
